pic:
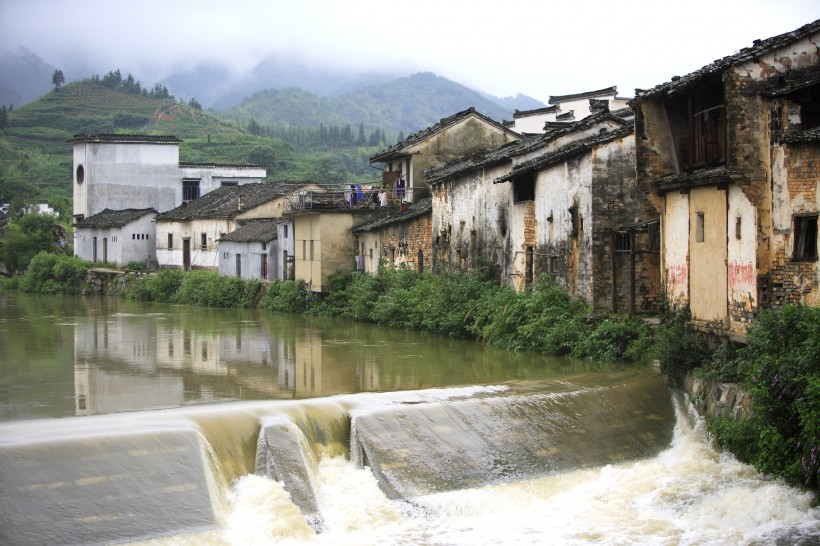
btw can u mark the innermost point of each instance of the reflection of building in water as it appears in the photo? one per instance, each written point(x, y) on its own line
point(128, 362)
point(318, 368)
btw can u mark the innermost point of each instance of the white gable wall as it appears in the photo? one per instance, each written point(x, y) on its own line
point(118, 176)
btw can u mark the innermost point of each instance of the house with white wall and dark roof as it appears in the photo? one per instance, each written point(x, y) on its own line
point(730, 157)
point(116, 236)
point(463, 133)
point(118, 172)
point(564, 109)
point(563, 203)
point(188, 235)
point(260, 248)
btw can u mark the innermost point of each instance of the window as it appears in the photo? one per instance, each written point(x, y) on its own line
point(700, 226)
point(304, 249)
point(738, 225)
point(524, 188)
point(239, 265)
point(203, 243)
point(805, 239)
point(264, 245)
point(264, 272)
point(311, 250)
point(80, 174)
point(286, 232)
point(623, 242)
point(170, 241)
point(190, 189)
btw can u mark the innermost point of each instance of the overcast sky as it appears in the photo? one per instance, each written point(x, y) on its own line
point(536, 47)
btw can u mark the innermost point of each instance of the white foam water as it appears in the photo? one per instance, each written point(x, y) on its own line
point(687, 495)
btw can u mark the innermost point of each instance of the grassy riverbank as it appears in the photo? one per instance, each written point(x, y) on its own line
point(779, 366)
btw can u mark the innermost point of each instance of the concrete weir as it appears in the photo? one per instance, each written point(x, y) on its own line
point(100, 489)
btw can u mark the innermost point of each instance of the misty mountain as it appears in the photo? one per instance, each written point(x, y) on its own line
point(285, 91)
point(400, 105)
point(518, 102)
point(24, 77)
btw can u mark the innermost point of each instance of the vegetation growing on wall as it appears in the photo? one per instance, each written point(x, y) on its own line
point(780, 367)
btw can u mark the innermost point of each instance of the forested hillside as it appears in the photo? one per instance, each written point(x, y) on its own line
point(403, 105)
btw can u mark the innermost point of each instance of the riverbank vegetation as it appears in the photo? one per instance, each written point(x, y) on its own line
point(779, 365)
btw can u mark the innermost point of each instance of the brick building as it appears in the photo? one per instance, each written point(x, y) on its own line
point(402, 239)
point(729, 157)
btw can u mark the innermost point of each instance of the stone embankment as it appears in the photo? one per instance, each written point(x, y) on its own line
point(109, 282)
point(713, 398)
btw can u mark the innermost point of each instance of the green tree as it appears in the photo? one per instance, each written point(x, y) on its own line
point(193, 103)
point(26, 237)
point(57, 79)
point(263, 155)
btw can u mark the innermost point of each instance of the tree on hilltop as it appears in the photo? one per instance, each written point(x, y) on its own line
point(58, 79)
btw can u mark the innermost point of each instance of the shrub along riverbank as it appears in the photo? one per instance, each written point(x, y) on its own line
point(779, 365)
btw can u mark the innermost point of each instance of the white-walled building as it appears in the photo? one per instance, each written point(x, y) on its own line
point(565, 109)
point(116, 236)
point(122, 173)
point(259, 249)
point(188, 235)
point(119, 172)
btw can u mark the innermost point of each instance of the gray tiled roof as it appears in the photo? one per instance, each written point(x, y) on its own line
point(224, 202)
point(520, 147)
point(256, 230)
point(183, 165)
point(781, 85)
point(564, 153)
point(113, 218)
point(397, 149)
point(758, 48)
point(141, 139)
point(585, 95)
point(419, 208)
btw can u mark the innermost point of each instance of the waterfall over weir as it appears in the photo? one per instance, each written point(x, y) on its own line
point(130, 477)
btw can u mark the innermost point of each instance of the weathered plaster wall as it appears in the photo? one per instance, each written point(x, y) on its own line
point(742, 259)
point(119, 176)
point(707, 258)
point(675, 250)
point(462, 139)
point(795, 191)
point(470, 222)
point(201, 258)
point(368, 246)
point(564, 245)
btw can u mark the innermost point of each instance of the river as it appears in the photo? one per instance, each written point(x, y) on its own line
point(130, 423)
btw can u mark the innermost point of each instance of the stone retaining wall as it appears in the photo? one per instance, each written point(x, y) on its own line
point(109, 282)
point(712, 398)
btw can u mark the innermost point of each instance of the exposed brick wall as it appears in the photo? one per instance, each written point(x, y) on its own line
point(405, 239)
point(803, 164)
point(789, 282)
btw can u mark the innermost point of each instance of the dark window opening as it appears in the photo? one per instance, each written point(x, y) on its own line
point(264, 272)
point(80, 174)
point(805, 239)
point(524, 188)
point(707, 126)
point(170, 241)
point(575, 219)
point(203, 241)
point(738, 226)
point(700, 227)
point(654, 232)
point(810, 107)
point(190, 189)
point(623, 242)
